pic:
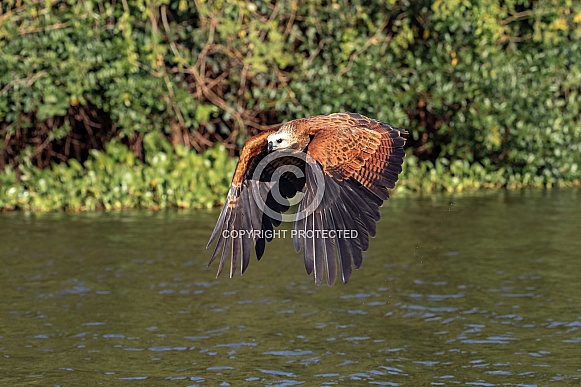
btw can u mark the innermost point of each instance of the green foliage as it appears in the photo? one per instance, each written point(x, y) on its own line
point(444, 175)
point(492, 83)
point(489, 90)
point(57, 55)
point(114, 179)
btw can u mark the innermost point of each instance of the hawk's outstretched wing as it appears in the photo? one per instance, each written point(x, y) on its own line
point(243, 219)
point(361, 158)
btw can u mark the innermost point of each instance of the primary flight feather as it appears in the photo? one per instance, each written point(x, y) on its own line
point(341, 165)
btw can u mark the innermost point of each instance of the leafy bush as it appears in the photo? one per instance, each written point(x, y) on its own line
point(489, 90)
point(115, 179)
point(494, 83)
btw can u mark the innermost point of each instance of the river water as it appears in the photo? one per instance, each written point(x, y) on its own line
point(481, 289)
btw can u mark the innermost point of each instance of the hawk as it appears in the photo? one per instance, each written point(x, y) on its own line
point(338, 166)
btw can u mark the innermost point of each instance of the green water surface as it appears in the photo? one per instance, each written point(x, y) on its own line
point(481, 290)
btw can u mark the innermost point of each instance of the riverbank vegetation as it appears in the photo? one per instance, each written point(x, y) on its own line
point(123, 104)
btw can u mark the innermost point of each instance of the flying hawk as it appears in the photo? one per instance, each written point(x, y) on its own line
point(337, 166)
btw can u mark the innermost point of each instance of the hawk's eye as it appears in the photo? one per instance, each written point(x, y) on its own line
point(279, 141)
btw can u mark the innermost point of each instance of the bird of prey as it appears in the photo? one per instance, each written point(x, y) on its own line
point(339, 167)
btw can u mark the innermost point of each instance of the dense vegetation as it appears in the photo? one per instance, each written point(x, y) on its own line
point(101, 101)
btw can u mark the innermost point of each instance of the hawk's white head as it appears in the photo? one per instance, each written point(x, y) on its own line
point(284, 138)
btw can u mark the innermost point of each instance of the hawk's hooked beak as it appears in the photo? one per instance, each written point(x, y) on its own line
point(269, 147)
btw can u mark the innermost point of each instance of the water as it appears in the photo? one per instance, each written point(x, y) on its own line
point(479, 290)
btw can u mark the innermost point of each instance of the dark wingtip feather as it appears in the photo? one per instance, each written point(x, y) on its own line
point(259, 248)
point(246, 248)
point(219, 223)
point(224, 256)
point(216, 250)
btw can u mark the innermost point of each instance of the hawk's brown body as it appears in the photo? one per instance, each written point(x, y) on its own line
point(360, 158)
